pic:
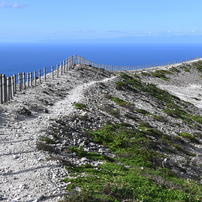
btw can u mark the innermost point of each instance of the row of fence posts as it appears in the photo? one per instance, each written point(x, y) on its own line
point(8, 85)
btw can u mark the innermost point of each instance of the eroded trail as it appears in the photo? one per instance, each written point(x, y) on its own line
point(25, 173)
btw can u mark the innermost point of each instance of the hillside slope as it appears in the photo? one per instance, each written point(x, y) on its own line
point(129, 139)
point(94, 135)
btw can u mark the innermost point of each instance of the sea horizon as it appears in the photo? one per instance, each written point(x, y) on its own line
point(29, 57)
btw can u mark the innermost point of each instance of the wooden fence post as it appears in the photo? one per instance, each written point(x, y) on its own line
point(8, 89)
point(31, 79)
point(63, 66)
point(35, 78)
point(44, 72)
point(14, 79)
point(12, 86)
point(27, 79)
point(57, 71)
point(75, 59)
point(19, 86)
point(20, 81)
point(4, 88)
point(39, 76)
point(1, 92)
point(66, 65)
point(52, 72)
point(24, 83)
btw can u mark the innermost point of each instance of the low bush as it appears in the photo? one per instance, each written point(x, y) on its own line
point(79, 105)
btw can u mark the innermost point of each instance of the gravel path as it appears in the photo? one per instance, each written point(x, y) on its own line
point(25, 173)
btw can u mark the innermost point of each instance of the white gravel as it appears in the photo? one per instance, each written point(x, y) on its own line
point(25, 173)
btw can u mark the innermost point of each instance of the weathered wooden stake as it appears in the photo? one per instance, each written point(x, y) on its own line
point(44, 72)
point(31, 79)
point(20, 81)
point(8, 89)
point(28, 79)
point(1, 92)
point(34, 78)
point(57, 70)
point(14, 80)
point(39, 76)
point(52, 72)
point(12, 86)
point(61, 68)
point(66, 64)
point(24, 83)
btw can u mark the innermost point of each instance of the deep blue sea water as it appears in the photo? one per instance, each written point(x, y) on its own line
point(28, 57)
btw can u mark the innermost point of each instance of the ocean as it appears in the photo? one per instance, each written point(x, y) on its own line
point(29, 57)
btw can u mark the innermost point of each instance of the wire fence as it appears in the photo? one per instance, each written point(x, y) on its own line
point(10, 85)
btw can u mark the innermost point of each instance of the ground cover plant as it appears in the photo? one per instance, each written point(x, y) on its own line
point(136, 174)
point(135, 137)
point(79, 105)
point(161, 74)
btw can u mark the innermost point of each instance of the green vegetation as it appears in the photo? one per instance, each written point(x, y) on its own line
point(47, 140)
point(198, 65)
point(142, 111)
point(186, 135)
point(134, 84)
point(111, 110)
point(135, 175)
point(45, 147)
point(189, 137)
point(179, 148)
point(79, 105)
point(161, 74)
point(119, 101)
point(174, 70)
point(145, 74)
point(185, 68)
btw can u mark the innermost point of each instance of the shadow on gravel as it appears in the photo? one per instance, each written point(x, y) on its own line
point(7, 142)
point(30, 169)
point(18, 153)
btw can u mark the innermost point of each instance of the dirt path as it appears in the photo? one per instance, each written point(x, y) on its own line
point(25, 174)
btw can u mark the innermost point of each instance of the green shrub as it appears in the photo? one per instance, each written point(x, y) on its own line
point(142, 111)
point(79, 105)
point(47, 140)
point(186, 69)
point(161, 74)
point(45, 147)
point(130, 177)
point(119, 101)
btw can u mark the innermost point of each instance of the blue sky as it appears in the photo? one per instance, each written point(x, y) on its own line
point(94, 20)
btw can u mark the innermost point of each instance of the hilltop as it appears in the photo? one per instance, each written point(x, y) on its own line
point(105, 136)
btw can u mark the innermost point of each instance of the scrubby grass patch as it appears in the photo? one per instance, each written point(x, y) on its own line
point(142, 111)
point(174, 69)
point(175, 111)
point(136, 175)
point(179, 148)
point(119, 101)
point(185, 68)
point(161, 74)
point(145, 74)
point(134, 84)
point(111, 110)
point(47, 140)
point(79, 105)
point(45, 147)
point(198, 65)
point(189, 137)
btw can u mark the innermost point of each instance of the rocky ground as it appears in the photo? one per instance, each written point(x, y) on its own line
point(25, 172)
point(40, 124)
